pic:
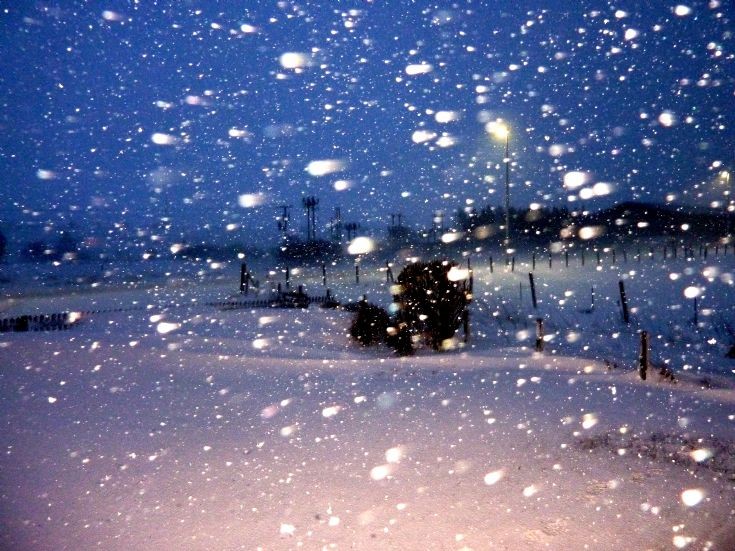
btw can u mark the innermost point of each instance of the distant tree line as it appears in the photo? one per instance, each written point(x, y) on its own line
point(533, 223)
point(627, 219)
point(65, 246)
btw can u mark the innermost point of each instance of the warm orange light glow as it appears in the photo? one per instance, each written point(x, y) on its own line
point(498, 129)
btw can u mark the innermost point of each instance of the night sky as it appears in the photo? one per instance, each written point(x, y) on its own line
point(211, 114)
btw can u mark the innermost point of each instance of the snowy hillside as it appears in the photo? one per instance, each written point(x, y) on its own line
point(165, 422)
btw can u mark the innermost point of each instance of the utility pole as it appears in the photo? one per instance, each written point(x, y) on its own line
point(310, 204)
point(438, 220)
point(336, 225)
point(283, 221)
point(351, 228)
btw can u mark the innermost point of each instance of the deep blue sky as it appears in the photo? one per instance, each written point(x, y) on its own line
point(641, 98)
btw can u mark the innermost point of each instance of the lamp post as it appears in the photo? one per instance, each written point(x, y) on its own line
point(728, 208)
point(507, 190)
point(501, 131)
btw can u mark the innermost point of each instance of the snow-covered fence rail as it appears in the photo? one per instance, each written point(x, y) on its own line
point(619, 254)
point(40, 322)
point(67, 320)
point(279, 300)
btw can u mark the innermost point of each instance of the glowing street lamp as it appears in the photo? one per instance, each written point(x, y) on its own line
point(499, 130)
point(725, 177)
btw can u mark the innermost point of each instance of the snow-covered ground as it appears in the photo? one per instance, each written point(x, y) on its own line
point(164, 422)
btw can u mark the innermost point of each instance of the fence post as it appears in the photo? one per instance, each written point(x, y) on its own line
point(643, 358)
point(533, 261)
point(592, 296)
point(539, 335)
point(566, 259)
point(243, 278)
point(513, 264)
point(288, 277)
point(324, 274)
point(533, 290)
point(491, 264)
point(471, 276)
point(695, 319)
point(357, 273)
point(623, 301)
point(613, 257)
point(549, 260)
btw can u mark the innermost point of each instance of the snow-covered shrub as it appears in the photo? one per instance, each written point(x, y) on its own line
point(399, 339)
point(370, 324)
point(430, 304)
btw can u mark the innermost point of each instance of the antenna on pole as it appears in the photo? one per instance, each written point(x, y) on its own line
point(310, 204)
point(283, 220)
point(336, 225)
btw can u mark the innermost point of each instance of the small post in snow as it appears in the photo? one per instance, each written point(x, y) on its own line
point(324, 274)
point(357, 273)
point(592, 296)
point(288, 277)
point(471, 280)
point(643, 358)
point(695, 319)
point(624, 302)
point(244, 278)
point(533, 290)
point(539, 335)
point(491, 264)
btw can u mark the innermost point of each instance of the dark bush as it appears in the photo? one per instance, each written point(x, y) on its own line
point(370, 324)
point(399, 339)
point(429, 303)
point(36, 250)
